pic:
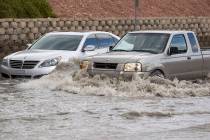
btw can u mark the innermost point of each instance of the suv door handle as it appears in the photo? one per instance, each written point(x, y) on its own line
point(189, 58)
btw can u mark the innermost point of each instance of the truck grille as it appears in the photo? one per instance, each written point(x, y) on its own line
point(105, 65)
point(18, 64)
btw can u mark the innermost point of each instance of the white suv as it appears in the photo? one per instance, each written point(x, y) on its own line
point(42, 56)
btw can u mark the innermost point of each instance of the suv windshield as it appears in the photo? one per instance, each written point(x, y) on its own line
point(58, 42)
point(143, 42)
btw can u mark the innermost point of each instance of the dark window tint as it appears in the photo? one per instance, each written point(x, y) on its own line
point(193, 42)
point(105, 40)
point(180, 42)
point(91, 40)
point(58, 42)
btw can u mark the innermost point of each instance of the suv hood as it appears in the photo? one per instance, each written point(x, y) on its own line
point(120, 57)
point(42, 55)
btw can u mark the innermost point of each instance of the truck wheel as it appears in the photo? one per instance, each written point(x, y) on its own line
point(157, 73)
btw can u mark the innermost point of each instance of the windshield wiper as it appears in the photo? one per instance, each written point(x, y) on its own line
point(149, 51)
point(121, 50)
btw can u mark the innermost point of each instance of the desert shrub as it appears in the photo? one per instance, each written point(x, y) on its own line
point(25, 9)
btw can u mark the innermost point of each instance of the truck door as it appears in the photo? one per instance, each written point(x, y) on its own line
point(196, 60)
point(177, 64)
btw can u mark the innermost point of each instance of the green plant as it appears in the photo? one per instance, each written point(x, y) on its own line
point(25, 9)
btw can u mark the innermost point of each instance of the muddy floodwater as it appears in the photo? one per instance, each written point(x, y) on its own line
point(68, 105)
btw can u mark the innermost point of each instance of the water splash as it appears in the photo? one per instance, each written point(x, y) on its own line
point(69, 78)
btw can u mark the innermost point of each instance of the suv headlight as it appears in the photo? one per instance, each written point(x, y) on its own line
point(132, 67)
point(5, 62)
point(51, 62)
point(84, 64)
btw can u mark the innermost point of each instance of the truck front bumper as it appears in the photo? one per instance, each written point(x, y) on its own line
point(25, 73)
point(118, 74)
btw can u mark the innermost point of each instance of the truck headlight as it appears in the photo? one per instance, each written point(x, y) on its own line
point(5, 62)
point(84, 64)
point(51, 62)
point(132, 67)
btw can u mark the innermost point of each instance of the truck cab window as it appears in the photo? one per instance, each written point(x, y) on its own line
point(179, 42)
point(193, 43)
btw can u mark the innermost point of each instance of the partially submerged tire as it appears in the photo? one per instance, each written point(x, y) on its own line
point(157, 73)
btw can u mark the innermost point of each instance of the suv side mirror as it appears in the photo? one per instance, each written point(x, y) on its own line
point(28, 45)
point(111, 47)
point(173, 50)
point(89, 48)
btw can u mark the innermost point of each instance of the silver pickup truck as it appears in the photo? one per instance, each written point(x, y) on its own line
point(166, 54)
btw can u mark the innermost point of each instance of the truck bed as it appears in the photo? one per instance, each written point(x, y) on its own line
point(205, 49)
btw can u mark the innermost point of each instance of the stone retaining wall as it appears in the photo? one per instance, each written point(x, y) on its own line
point(15, 33)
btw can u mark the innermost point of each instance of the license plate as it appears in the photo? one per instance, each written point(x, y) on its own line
point(20, 72)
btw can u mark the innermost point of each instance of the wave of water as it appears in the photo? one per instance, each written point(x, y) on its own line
point(69, 78)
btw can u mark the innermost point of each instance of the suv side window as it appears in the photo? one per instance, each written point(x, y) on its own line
point(105, 40)
point(115, 40)
point(193, 42)
point(180, 42)
point(91, 40)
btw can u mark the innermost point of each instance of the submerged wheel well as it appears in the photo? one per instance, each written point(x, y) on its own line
point(157, 70)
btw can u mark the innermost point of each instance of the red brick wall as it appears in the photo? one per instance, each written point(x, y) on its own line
point(124, 8)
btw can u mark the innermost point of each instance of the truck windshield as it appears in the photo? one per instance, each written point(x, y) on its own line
point(143, 42)
point(58, 42)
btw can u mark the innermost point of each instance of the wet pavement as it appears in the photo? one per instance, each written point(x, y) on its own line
point(55, 108)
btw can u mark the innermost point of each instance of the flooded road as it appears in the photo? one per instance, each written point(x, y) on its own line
point(63, 107)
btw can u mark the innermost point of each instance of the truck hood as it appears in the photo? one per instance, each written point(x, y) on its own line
point(41, 55)
point(120, 57)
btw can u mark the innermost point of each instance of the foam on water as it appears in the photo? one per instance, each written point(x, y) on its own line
point(69, 78)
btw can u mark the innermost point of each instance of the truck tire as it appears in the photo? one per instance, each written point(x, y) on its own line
point(157, 73)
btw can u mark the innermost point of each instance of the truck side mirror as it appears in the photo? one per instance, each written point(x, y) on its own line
point(173, 50)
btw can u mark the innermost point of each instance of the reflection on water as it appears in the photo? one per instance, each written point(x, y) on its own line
point(62, 106)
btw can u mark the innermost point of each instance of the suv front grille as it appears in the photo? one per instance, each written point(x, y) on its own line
point(29, 64)
point(105, 65)
point(18, 64)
